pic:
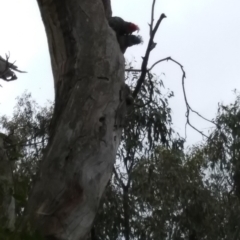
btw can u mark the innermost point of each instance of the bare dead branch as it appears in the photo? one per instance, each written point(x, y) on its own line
point(189, 108)
point(7, 68)
point(139, 70)
point(144, 71)
point(161, 60)
point(148, 51)
point(152, 16)
point(132, 70)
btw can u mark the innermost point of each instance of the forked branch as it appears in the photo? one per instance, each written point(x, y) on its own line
point(7, 69)
point(144, 70)
point(150, 47)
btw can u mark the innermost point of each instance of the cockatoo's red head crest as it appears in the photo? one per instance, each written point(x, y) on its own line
point(133, 27)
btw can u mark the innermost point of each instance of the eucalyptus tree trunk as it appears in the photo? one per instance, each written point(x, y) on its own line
point(88, 70)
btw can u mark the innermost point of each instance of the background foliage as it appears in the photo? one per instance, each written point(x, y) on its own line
point(158, 190)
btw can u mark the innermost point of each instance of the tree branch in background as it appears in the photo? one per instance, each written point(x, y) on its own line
point(7, 68)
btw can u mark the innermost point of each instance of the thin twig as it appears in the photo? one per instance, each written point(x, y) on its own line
point(7, 74)
point(132, 70)
point(145, 71)
point(161, 60)
point(189, 109)
point(152, 17)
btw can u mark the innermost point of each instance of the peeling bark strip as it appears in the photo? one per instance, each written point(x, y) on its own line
point(81, 152)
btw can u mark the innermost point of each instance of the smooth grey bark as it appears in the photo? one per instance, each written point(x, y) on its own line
point(7, 201)
point(88, 70)
point(107, 7)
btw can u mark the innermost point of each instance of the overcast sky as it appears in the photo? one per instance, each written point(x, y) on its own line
point(203, 35)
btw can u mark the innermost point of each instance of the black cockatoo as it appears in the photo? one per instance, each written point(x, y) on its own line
point(121, 27)
point(123, 32)
point(126, 41)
